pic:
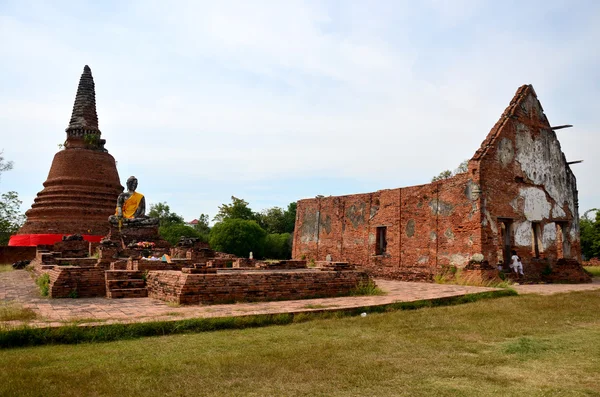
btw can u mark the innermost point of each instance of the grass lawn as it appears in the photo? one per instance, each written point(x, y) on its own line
point(595, 270)
point(515, 346)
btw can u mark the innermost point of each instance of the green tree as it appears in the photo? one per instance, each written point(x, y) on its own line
point(174, 231)
point(277, 220)
point(202, 226)
point(238, 209)
point(4, 165)
point(278, 246)
point(272, 220)
point(290, 218)
point(163, 212)
point(589, 229)
point(238, 237)
point(11, 218)
point(462, 168)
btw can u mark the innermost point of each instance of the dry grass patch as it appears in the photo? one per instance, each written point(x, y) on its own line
point(10, 311)
point(6, 268)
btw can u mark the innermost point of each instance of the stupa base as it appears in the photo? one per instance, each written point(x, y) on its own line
point(33, 240)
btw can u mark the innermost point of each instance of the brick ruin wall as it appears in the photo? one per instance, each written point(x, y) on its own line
point(426, 227)
point(80, 282)
point(185, 288)
point(518, 193)
point(528, 189)
point(9, 255)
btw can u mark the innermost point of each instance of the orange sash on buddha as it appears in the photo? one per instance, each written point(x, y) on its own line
point(131, 204)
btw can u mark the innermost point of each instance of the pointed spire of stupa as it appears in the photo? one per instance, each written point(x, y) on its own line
point(84, 118)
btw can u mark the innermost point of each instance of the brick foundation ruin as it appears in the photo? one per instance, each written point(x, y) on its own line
point(182, 288)
point(213, 278)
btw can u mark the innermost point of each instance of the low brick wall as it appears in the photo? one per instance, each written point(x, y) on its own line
point(143, 265)
point(283, 264)
point(9, 255)
point(182, 288)
point(75, 281)
point(220, 263)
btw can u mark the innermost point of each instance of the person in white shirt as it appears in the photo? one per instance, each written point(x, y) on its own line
point(516, 264)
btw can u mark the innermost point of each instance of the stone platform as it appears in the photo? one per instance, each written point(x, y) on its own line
point(18, 286)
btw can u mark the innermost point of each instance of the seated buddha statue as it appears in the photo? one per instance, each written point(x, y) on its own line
point(131, 207)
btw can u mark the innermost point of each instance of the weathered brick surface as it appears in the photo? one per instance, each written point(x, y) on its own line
point(143, 265)
point(73, 249)
point(10, 255)
point(283, 264)
point(82, 187)
point(185, 288)
point(125, 284)
point(519, 177)
point(71, 281)
point(220, 263)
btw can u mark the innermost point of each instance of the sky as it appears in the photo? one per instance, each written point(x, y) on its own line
point(275, 101)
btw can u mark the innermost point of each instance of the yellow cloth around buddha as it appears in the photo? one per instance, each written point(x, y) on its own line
point(131, 205)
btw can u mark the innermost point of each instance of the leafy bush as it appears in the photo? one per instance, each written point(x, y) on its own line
point(367, 288)
point(43, 282)
point(173, 232)
point(238, 237)
point(589, 227)
point(278, 246)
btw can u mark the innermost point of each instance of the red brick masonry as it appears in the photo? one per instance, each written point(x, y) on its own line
point(10, 255)
point(76, 282)
point(177, 287)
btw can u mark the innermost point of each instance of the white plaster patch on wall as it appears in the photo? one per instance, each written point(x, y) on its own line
point(523, 234)
point(372, 238)
point(574, 233)
point(537, 206)
point(557, 212)
point(549, 235)
point(488, 219)
point(459, 260)
point(514, 204)
point(542, 161)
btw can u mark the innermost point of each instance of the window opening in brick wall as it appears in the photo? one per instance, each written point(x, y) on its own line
point(562, 240)
point(381, 240)
point(506, 239)
point(536, 244)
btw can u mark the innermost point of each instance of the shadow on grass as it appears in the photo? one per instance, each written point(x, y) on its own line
point(69, 334)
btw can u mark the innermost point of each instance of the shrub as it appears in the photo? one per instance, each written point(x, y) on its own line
point(43, 282)
point(278, 246)
point(238, 237)
point(367, 288)
point(173, 232)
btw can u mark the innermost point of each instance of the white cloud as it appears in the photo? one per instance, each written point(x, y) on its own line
point(231, 94)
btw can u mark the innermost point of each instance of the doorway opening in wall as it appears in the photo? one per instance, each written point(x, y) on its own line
point(381, 240)
point(536, 236)
point(562, 241)
point(506, 239)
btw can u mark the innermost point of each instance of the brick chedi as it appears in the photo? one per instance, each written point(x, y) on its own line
point(83, 183)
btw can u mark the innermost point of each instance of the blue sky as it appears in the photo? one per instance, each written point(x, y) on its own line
point(275, 101)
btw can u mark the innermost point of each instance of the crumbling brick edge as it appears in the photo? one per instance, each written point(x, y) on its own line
point(72, 334)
